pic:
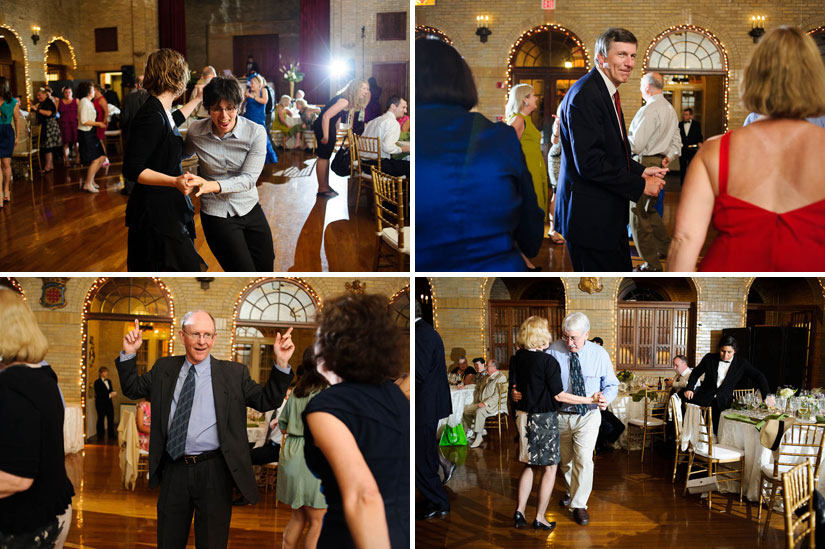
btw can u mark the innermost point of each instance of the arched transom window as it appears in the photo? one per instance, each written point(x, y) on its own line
point(278, 301)
point(130, 296)
point(684, 50)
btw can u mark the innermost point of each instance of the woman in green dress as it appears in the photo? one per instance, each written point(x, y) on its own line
point(297, 487)
point(521, 103)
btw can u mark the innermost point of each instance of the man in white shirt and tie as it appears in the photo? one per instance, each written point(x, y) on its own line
point(654, 141)
point(683, 372)
point(724, 372)
point(387, 128)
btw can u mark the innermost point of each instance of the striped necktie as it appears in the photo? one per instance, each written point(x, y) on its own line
point(176, 443)
point(577, 381)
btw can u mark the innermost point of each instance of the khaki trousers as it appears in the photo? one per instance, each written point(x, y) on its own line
point(577, 439)
point(474, 417)
point(649, 232)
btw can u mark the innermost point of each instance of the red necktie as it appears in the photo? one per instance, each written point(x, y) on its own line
point(618, 103)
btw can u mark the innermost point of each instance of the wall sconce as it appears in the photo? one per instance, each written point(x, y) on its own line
point(35, 34)
point(482, 22)
point(205, 281)
point(757, 27)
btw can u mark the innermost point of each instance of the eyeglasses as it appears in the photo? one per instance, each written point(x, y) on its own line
point(217, 110)
point(197, 336)
point(572, 338)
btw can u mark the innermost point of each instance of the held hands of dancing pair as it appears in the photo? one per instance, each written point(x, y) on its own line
point(595, 398)
point(188, 182)
point(654, 180)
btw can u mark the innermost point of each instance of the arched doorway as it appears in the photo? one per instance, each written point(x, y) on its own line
point(818, 34)
point(656, 320)
point(60, 60)
point(399, 307)
point(266, 307)
point(550, 58)
point(431, 33)
point(109, 311)
point(782, 326)
point(695, 67)
point(527, 297)
point(13, 64)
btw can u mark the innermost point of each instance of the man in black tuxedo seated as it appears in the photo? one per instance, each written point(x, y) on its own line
point(723, 371)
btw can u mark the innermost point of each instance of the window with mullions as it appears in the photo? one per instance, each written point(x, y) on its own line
point(684, 50)
point(400, 309)
point(550, 49)
point(277, 301)
point(135, 296)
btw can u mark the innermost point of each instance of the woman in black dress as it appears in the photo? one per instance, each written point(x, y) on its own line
point(50, 139)
point(35, 493)
point(159, 214)
point(352, 98)
point(537, 376)
point(357, 431)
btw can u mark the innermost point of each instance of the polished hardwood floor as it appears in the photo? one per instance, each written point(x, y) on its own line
point(632, 505)
point(105, 515)
point(554, 257)
point(50, 225)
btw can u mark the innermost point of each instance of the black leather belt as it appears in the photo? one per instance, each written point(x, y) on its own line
point(569, 412)
point(192, 460)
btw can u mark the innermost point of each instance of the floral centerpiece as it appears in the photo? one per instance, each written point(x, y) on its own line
point(292, 74)
point(626, 376)
point(787, 392)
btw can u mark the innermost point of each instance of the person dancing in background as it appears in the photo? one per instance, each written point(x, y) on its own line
point(90, 148)
point(67, 107)
point(521, 103)
point(255, 110)
point(9, 136)
point(351, 99)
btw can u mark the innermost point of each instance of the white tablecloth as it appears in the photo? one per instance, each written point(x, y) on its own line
point(460, 398)
point(745, 437)
point(73, 430)
point(254, 434)
point(625, 409)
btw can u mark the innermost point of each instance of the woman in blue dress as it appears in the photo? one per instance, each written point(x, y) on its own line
point(256, 98)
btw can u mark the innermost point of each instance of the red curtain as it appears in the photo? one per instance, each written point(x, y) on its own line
point(172, 25)
point(315, 50)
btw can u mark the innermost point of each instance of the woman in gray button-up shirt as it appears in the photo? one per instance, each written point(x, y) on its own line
point(231, 152)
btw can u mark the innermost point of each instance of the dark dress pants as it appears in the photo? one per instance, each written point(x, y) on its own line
point(105, 409)
point(426, 466)
point(240, 243)
point(591, 260)
point(205, 489)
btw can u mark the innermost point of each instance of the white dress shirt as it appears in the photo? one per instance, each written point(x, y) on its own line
point(680, 380)
point(686, 127)
point(597, 370)
point(386, 128)
point(611, 90)
point(655, 129)
point(723, 371)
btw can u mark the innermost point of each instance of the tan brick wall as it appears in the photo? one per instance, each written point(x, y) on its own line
point(461, 303)
point(587, 19)
point(63, 327)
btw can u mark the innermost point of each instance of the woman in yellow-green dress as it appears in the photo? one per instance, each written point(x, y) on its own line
point(523, 101)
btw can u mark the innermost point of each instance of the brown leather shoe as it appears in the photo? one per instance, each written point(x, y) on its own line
point(581, 516)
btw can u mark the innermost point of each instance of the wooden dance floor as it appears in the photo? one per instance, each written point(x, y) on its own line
point(105, 515)
point(50, 225)
point(632, 505)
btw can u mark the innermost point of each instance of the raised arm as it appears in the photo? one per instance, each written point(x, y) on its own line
point(133, 385)
point(363, 504)
point(271, 395)
point(192, 104)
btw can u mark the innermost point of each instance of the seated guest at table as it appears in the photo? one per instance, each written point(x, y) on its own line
point(281, 123)
point(724, 372)
point(103, 403)
point(206, 436)
point(462, 374)
point(143, 419)
point(468, 169)
point(307, 113)
point(537, 377)
point(485, 400)
point(386, 128)
point(680, 380)
point(357, 431)
point(35, 493)
point(297, 487)
point(231, 151)
point(478, 364)
point(766, 174)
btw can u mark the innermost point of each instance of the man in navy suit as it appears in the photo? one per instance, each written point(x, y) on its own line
point(598, 178)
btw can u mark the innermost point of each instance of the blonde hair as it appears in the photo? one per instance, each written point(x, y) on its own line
point(281, 101)
point(515, 101)
point(166, 71)
point(259, 78)
point(534, 333)
point(22, 340)
point(352, 93)
point(785, 77)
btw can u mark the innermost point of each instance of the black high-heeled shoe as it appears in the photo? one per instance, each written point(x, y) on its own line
point(520, 521)
point(539, 526)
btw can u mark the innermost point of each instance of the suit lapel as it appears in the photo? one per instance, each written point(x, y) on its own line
point(611, 109)
point(167, 389)
point(220, 393)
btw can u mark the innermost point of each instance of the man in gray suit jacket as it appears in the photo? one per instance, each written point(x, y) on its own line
point(198, 448)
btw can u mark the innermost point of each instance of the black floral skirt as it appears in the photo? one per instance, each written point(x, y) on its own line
point(538, 438)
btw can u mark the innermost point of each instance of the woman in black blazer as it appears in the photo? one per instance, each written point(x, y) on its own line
point(159, 214)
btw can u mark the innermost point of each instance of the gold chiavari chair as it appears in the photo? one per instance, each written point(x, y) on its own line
point(29, 148)
point(739, 394)
point(495, 421)
point(369, 154)
point(714, 455)
point(798, 487)
point(802, 442)
point(653, 421)
point(389, 213)
point(676, 411)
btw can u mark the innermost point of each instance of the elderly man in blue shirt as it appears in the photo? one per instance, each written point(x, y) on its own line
point(585, 369)
point(198, 446)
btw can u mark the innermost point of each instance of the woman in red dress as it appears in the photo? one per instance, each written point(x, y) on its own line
point(762, 186)
point(102, 110)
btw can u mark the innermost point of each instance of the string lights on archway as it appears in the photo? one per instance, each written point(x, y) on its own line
point(433, 31)
point(511, 59)
point(25, 59)
point(51, 41)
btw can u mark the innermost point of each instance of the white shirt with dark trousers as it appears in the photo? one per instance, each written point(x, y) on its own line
point(387, 129)
point(234, 223)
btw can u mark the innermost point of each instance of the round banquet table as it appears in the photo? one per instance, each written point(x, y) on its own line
point(745, 437)
point(625, 409)
point(73, 430)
